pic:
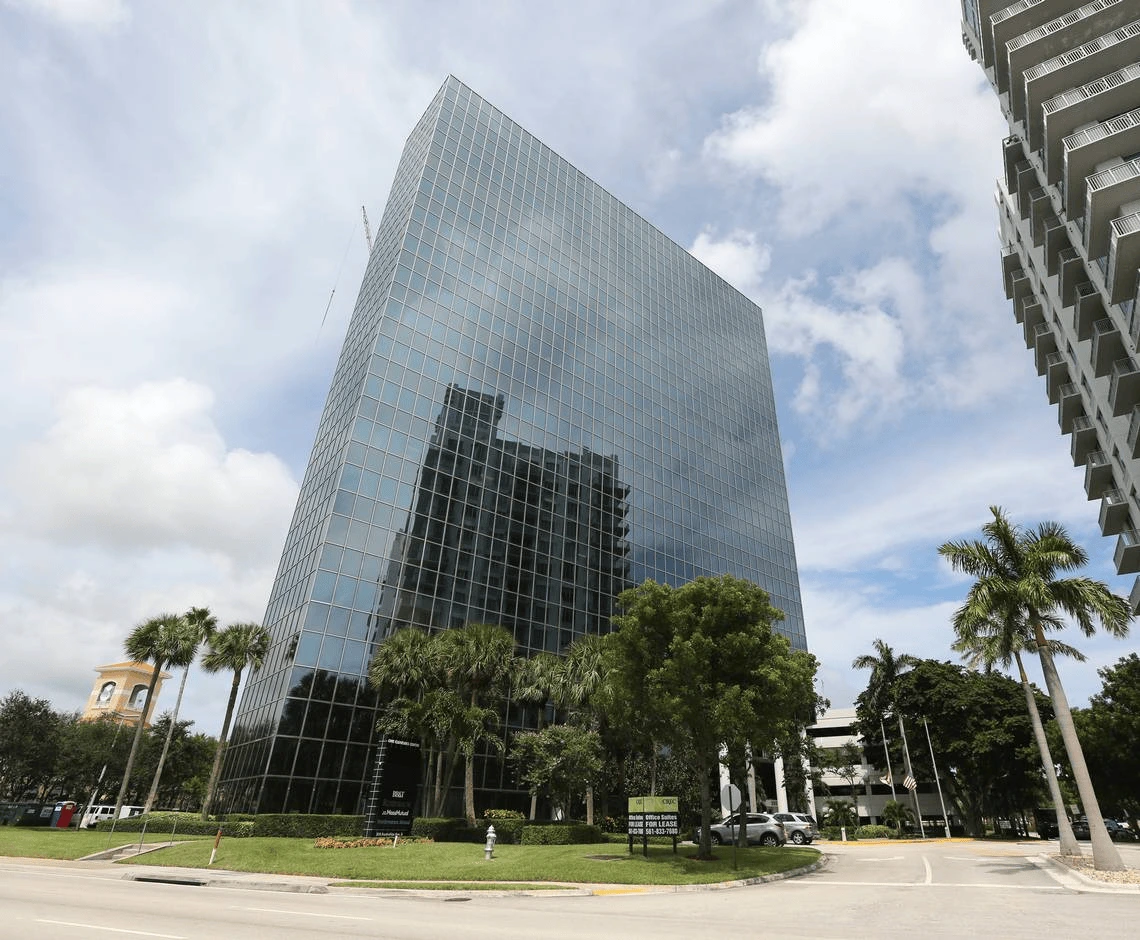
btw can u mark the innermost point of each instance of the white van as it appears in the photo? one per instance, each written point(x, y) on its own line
point(96, 814)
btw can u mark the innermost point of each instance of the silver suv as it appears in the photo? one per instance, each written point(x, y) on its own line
point(763, 829)
point(800, 827)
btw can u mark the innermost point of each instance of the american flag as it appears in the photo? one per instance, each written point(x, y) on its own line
point(887, 778)
point(910, 783)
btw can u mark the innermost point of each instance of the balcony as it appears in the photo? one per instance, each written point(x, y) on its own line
point(1010, 268)
point(1013, 158)
point(1029, 45)
point(1022, 289)
point(1107, 192)
point(1087, 149)
point(1107, 346)
point(1134, 434)
point(1127, 555)
point(1070, 405)
point(1009, 22)
point(1089, 308)
point(1123, 258)
point(1098, 474)
point(1076, 67)
point(1041, 215)
point(1044, 346)
point(1032, 316)
point(1099, 100)
point(1124, 387)
point(1113, 513)
point(1056, 240)
point(1084, 440)
point(1056, 375)
point(1072, 272)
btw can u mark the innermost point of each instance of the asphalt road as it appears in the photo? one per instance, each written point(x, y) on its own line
point(916, 891)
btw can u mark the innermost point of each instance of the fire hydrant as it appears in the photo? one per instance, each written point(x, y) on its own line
point(489, 848)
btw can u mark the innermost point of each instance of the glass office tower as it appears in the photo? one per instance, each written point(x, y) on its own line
point(541, 400)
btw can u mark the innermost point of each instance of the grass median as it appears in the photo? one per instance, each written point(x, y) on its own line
point(451, 861)
point(42, 842)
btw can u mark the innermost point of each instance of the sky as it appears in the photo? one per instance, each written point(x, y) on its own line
point(180, 193)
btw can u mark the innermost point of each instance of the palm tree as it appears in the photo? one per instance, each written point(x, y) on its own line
point(536, 684)
point(237, 647)
point(202, 624)
point(885, 668)
point(1016, 570)
point(896, 814)
point(582, 675)
point(163, 640)
point(998, 639)
point(479, 661)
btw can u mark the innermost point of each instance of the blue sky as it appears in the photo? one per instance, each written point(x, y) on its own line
point(180, 187)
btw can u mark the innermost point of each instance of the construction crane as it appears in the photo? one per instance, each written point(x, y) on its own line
point(367, 229)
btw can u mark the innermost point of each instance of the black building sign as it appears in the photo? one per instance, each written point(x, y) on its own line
point(395, 784)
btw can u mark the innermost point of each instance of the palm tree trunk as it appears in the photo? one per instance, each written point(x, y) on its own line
point(469, 787)
point(1069, 844)
point(589, 804)
point(135, 743)
point(153, 795)
point(215, 772)
point(1105, 855)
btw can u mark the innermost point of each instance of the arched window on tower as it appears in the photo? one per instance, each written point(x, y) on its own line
point(138, 698)
point(105, 693)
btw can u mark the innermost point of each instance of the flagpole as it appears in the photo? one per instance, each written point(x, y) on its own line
point(910, 773)
point(887, 751)
point(937, 783)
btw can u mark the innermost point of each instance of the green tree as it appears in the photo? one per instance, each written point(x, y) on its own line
point(1018, 570)
point(29, 743)
point(896, 814)
point(165, 640)
point(840, 814)
point(885, 668)
point(238, 647)
point(997, 639)
point(201, 624)
point(580, 688)
point(981, 735)
point(537, 684)
point(1110, 731)
point(701, 668)
point(479, 663)
point(559, 760)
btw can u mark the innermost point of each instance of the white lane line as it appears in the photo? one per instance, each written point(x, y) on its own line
point(137, 933)
point(881, 858)
point(917, 884)
point(277, 910)
point(929, 872)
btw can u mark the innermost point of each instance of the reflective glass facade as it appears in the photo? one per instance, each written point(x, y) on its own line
point(541, 400)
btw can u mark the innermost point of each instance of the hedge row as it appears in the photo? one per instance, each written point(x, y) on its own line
point(295, 825)
point(856, 833)
point(565, 834)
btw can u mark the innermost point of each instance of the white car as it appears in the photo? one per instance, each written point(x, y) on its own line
point(102, 813)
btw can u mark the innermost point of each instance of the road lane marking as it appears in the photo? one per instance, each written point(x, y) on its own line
point(881, 858)
point(137, 933)
point(277, 910)
point(929, 871)
point(916, 884)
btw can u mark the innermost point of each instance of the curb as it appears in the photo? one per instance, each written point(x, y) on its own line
point(1078, 881)
point(191, 881)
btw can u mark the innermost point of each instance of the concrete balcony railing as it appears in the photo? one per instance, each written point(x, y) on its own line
point(1085, 150)
point(1114, 517)
point(1032, 316)
point(1107, 192)
point(1098, 474)
point(1071, 69)
point(1107, 346)
point(1084, 441)
point(1124, 386)
point(1056, 375)
point(1099, 100)
point(1127, 555)
point(1087, 310)
point(1070, 406)
point(1069, 29)
point(1044, 345)
point(1010, 268)
point(1123, 258)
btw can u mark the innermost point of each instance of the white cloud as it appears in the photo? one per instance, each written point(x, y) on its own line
point(147, 467)
point(101, 14)
point(739, 257)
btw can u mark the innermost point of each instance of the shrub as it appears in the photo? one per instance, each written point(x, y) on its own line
point(496, 814)
point(439, 828)
point(508, 829)
point(346, 842)
point(307, 825)
point(615, 824)
point(562, 834)
point(834, 832)
point(189, 824)
point(875, 832)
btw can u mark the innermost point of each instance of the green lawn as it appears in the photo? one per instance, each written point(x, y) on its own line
point(42, 842)
point(463, 862)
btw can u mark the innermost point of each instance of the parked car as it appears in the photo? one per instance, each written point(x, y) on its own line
point(800, 827)
point(763, 829)
point(104, 813)
point(1116, 831)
